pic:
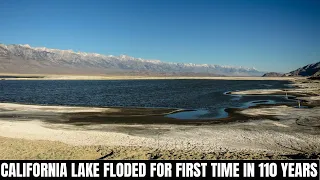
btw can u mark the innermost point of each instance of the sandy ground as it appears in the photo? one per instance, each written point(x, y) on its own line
point(63, 109)
point(274, 132)
point(13, 148)
point(259, 92)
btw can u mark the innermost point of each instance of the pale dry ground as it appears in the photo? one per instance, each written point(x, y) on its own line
point(115, 77)
point(256, 136)
point(258, 92)
point(235, 137)
point(276, 91)
point(291, 131)
point(311, 98)
point(54, 109)
point(12, 148)
point(136, 141)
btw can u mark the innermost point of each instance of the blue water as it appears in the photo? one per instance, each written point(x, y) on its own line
point(205, 96)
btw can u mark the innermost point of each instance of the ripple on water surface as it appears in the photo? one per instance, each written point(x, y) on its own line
point(206, 98)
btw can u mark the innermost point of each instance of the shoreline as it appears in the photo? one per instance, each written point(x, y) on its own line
point(266, 132)
point(131, 77)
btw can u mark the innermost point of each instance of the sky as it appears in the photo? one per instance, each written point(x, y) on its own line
point(270, 35)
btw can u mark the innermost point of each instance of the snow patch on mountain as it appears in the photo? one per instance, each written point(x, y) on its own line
point(68, 58)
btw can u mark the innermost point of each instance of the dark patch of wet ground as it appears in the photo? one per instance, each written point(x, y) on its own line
point(118, 118)
point(132, 118)
point(145, 116)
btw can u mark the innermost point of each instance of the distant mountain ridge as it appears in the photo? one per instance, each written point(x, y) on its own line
point(32, 60)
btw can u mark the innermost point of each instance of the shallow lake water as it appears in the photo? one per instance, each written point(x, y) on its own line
point(206, 97)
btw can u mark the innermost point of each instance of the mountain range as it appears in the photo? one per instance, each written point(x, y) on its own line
point(25, 59)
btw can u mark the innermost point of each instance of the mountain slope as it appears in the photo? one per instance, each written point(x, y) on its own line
point(308, 70)
point(26, 59)
point(317, 74)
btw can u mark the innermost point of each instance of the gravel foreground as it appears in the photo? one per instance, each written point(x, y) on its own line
point(268, 132)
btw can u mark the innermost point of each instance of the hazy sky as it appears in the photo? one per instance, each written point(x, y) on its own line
point(271, 35)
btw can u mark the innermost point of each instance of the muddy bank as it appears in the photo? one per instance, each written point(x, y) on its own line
point(87, 115)
point(82, 116)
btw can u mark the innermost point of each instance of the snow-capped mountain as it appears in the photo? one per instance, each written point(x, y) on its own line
point(27, 59)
